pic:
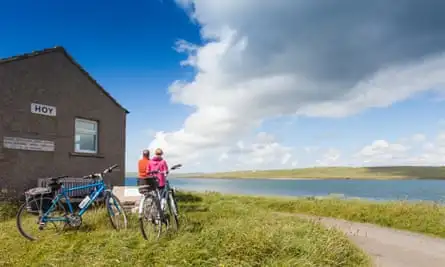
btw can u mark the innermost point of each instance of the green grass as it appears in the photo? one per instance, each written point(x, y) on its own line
point(223, 230)
point(8, 210)
point(217, 231)
point(397, 172)
point(421, 217)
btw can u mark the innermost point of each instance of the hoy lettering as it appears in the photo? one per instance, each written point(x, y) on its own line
point(43, 109)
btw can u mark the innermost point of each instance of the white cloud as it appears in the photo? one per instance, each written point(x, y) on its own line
point(223, 156)
point(263, 153)
point(309, 58)
point(381, 151)
point(426, 152)
point(329, 158)
point(286, 157)
point(311, 149)
point(428, 147)
point(441, 139)
point(431, 153)
point(418, 138)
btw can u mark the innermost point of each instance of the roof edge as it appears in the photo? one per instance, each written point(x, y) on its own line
point(71, 59)
point(31, 54)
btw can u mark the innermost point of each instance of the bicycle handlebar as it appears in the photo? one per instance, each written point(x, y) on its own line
point(110, 169)
point(97, 175)
point(174, 167)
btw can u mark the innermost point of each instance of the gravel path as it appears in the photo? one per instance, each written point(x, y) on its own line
point(390, 247)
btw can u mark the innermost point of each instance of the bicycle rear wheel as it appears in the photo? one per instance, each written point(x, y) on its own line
point(116, 212)
point(173, 211)
point(151, 217)
point(28, 218)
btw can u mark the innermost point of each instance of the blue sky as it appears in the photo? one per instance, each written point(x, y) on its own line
point(128, 46)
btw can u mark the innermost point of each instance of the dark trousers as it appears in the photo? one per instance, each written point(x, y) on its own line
point(162, 192)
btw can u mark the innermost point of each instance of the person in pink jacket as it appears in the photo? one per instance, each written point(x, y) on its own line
point(157, 163)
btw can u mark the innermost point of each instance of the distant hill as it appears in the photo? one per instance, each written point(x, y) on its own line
point(135, 174)
point(393, 172)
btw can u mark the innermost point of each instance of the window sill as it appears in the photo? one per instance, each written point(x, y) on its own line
point(88, 155)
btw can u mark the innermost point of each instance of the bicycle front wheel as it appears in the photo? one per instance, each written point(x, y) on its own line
point(151, 220)
point(29, 218)
point(116, 212)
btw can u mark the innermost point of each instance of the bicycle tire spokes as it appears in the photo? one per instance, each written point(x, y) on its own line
point(29, 220)
point(116, 212)
point(45, 215)
point(172, 207)
point(156, 214)
point(151, 216)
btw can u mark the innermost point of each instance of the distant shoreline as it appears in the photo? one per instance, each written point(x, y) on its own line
point(302, 179)
point(236, 178)
point(326, 173)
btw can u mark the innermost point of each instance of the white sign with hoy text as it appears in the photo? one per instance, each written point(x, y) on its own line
point(43, 109)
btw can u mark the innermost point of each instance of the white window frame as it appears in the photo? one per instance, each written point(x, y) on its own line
point(86, 131)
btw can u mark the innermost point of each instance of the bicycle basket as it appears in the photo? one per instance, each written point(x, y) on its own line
point(54, 186)
point(147, 185)
point(37, 194)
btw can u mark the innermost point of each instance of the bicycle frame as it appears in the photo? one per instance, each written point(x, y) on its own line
point(144, 196)
point(99, 188)
point(160, 193)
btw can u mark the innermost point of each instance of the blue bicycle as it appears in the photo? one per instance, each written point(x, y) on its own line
point(45, 209)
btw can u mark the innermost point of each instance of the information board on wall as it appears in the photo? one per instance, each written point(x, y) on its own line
point(28, 144)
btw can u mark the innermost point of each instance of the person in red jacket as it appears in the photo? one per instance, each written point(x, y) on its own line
point(144, 165)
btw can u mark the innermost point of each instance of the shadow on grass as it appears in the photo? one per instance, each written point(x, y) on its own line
point(85, 228)
point(194, 208)
point(411, 172)
point(186, 226)
point(191, 225)
point(190, 203)
point(8, 210)
point(187, 197)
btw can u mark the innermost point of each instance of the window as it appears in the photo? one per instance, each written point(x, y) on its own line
point(86, 136)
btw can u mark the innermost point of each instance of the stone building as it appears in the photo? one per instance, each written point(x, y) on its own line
point(55, 120)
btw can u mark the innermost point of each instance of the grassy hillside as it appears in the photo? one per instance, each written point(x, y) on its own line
point(217, 231)
point(399, 172)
